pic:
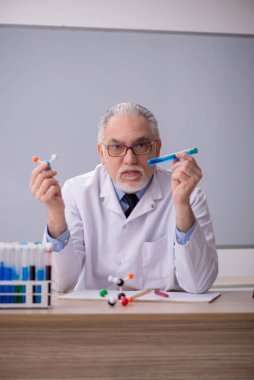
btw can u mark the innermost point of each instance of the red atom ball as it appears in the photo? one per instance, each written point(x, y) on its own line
point(124, 301)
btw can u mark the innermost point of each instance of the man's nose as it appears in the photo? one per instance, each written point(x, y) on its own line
point(130, 157)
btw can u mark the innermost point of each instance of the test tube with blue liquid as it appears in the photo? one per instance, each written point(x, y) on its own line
point(2, 287)
point(9, 272)
point(40, 274)
point(19, 289)
point(48, 267)
point(15, 259)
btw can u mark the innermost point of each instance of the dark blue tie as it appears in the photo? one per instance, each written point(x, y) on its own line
point(132, 200)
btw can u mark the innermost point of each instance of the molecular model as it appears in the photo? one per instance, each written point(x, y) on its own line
point(121, 297)
point(52, 158)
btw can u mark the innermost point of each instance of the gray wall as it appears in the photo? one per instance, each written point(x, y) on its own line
point(55, 84)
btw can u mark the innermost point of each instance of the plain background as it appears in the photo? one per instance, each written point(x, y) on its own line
point(56, 83)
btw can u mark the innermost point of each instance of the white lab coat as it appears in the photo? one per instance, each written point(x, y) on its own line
point(103, 242)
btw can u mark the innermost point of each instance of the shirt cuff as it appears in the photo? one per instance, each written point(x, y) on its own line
point(183, 237)
point(60, 242)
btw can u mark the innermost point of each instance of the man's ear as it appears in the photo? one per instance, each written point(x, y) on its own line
point(101, 153)
point(158, 147)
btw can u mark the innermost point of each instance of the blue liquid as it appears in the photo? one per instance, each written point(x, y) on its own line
point(40, 276)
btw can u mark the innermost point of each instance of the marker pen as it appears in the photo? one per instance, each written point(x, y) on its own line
point(170, 157)
point(161, 294)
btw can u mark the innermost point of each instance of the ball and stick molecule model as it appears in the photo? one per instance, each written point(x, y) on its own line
point(52, 158)
point(121, 297)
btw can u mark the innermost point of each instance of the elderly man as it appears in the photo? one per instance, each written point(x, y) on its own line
point(126, 216)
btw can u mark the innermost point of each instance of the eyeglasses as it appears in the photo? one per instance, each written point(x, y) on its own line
point(120, 150)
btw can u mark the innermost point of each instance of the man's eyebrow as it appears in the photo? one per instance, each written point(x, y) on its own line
point(142, 138)
point(139, 139)
point(115, 141)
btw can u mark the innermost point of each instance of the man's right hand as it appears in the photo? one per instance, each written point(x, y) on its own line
point(46, 189)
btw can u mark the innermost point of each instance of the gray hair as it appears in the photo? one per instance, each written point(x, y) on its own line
point(127, 109)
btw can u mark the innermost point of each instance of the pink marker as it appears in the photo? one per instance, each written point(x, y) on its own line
point(161, 294)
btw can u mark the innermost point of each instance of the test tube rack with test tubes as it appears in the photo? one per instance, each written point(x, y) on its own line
point(25, 275)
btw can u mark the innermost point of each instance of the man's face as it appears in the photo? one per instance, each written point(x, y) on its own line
point(130, 172)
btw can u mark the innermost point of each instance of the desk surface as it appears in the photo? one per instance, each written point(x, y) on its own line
point(144, 341)
point(228, 304)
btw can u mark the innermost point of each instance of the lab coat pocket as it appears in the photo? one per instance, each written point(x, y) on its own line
point(158, 261)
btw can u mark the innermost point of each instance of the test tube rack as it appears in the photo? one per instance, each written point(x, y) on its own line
point(25, 294)
point(25, 275)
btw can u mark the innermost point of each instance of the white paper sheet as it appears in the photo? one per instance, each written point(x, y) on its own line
point(173, 296)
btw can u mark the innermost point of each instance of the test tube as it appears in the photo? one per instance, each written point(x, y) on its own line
point(40, 268)
point(18, 272)
point(2, 261)
point(10, 270)
point(25, 268)
point(48, 251)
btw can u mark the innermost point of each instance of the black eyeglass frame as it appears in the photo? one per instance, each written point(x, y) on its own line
point(132, 147)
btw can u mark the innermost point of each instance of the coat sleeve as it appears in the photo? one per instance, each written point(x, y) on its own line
point(196, 262)
point(68, 263)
